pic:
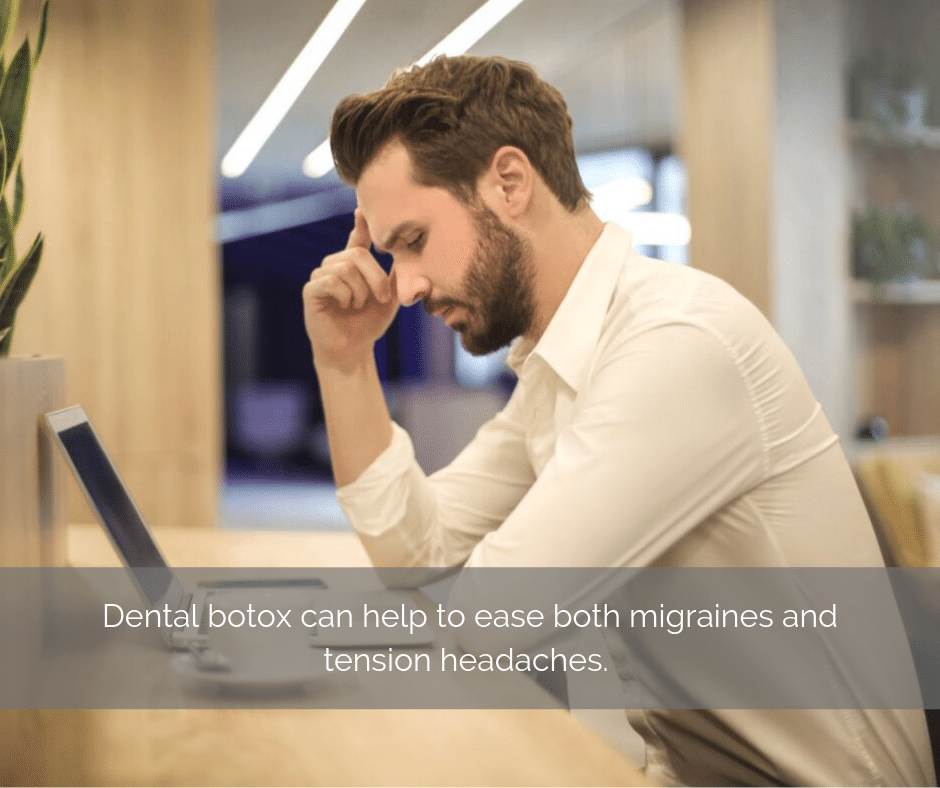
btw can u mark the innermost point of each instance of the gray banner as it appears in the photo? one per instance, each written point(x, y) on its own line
point(336, 638)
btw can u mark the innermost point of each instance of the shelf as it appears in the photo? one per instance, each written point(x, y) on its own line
point(925, 291)
point(858, 450)
point(879, 134)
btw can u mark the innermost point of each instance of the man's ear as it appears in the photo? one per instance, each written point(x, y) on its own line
point(509, 180)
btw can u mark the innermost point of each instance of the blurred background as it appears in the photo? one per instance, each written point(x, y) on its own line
point(174, 159)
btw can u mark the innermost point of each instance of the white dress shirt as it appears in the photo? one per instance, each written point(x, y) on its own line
point(658, 421)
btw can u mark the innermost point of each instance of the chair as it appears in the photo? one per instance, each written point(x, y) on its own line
point(896, 483)
point(269, 420)
point(900, 486)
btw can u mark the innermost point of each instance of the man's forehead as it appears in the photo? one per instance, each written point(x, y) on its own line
point(386, 192)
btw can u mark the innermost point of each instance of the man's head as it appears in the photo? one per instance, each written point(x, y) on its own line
point(452, 115)
point(462, 261)
point(427, 153)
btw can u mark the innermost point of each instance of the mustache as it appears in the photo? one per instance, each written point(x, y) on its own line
point(433, 305)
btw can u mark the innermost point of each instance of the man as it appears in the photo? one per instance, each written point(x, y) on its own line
point(658, 419)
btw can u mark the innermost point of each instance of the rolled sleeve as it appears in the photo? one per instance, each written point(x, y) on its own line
point(405, 518)
point(374, 499)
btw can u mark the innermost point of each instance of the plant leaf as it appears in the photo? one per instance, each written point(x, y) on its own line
point(19, 194)
point(43, 24)
point(14, 287)
point(7, 240)
point(10, 11)
point(3, 156)
point(13, 97)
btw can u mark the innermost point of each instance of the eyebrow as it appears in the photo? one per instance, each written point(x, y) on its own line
point(393, 237)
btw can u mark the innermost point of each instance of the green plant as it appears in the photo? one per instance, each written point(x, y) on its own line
point(16, 275)
point(893, 245)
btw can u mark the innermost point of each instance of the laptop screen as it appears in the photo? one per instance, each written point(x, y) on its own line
point(117, 510)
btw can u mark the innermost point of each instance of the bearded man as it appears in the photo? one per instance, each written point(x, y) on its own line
point(658, 419)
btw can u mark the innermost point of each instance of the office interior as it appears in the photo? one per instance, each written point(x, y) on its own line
point(741, 136)
point(172, 290)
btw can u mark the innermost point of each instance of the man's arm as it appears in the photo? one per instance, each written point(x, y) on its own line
point(407, 519)
point(358, 424)
point(403, 517)
point(349, 303)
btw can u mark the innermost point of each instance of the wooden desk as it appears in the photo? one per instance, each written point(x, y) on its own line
point(300, 746)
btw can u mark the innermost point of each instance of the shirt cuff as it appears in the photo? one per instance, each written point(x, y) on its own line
point(373, 501)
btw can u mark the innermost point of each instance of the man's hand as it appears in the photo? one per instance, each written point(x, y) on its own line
point(349, 302)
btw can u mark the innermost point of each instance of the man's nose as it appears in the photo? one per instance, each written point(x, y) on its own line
point(412, 287)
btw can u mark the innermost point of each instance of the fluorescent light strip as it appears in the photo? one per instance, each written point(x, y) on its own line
point(290, 86)
point(320, 161)
point(472, 29)
point(465, 35)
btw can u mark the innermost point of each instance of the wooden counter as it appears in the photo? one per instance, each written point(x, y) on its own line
point(298, 746)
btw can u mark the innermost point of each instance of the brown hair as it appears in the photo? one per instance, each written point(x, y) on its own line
point(452, 115)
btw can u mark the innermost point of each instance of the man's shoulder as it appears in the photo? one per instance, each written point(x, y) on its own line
point(652, 292)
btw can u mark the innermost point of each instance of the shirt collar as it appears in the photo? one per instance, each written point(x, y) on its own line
point(568, 342)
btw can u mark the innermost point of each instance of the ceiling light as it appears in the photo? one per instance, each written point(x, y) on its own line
point(285, 93)
point(472, 29)
point(320, 161)
point(458, 41)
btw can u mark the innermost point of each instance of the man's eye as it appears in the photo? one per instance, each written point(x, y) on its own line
point(417, 243)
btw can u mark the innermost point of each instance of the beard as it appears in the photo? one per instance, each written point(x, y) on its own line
point(498, 296)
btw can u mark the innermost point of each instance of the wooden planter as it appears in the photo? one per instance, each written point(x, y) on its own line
point(41, 746)
point(32, 494)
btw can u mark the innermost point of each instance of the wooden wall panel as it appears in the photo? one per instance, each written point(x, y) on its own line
point(904, 359)
point(726, 139)
point(887, 384)
point(119, 175)
point(922, 349)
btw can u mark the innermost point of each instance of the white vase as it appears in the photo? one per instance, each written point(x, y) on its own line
point(890, 106)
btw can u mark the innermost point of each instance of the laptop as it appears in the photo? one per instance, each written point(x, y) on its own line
point(156, 581)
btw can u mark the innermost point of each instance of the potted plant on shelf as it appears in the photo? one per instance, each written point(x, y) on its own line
point(890, 92)
point(31, 507)
point(894, 246)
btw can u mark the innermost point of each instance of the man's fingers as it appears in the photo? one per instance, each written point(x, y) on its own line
point(329, 287)
point(360, 233)
point(358, 262)
point(392, 281)
point(357, 268)
point(360, 273)
point(374, 276)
